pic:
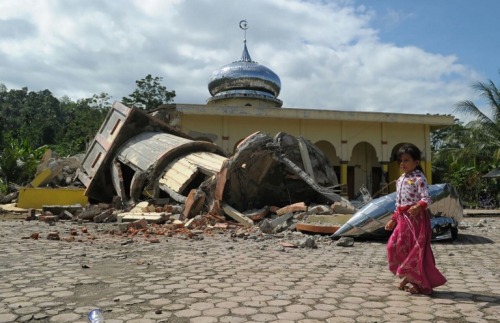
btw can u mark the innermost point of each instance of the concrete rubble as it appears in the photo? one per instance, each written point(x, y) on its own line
point(151, 179)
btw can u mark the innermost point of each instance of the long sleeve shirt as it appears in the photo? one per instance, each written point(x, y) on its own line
point(412, 188)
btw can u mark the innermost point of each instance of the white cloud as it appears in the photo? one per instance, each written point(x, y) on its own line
point(326, 53)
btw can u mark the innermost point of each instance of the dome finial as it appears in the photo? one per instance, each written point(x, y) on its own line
point(245, 56)
point(244, 26)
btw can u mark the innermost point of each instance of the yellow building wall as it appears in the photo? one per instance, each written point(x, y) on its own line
point(357, 132)
point(323, 130)
point(384, 137)
point(203, 126)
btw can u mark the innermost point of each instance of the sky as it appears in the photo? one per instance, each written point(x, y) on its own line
point(350, 55)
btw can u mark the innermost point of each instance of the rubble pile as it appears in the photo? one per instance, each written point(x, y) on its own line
point(63, 171)
point(149, 220)
point(153, 180)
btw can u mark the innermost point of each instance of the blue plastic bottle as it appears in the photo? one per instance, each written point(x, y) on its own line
point(95, 316)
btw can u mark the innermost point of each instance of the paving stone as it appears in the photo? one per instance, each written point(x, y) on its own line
point(421, 316)
point(243, 310)
point(7, 317)
point(342, 320)
point(27, 310)
point(261, 317)
point(271, 309)
point(204, 319)
point(232, 319)
point(216, 312)
point(188, 313)
point(293, 316)
point(64, 318)
point(227, 304)
point(317, 314)
point(206, 281)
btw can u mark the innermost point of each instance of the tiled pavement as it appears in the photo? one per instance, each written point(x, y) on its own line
point(221, 278)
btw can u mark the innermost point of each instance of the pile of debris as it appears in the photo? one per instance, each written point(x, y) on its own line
point(139, 170)
point(269, 220)
point(148, 220)
point(272, 183)
point(55, 180)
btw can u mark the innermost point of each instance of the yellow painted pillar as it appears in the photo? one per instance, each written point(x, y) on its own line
point(427, 167)
point(343, 177)
point(225, 135)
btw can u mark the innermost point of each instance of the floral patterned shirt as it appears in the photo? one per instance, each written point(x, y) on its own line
point(412, 189)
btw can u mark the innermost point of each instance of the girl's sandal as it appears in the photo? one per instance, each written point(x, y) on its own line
point(413, 290)
point(402, 285)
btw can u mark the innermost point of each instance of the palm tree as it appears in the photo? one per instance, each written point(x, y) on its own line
point(469, 151)
point(483, 132)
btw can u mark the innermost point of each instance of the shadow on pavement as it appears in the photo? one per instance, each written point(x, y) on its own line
point(459, 297)
point(471, 239)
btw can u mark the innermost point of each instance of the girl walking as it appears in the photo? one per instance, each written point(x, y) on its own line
point(409, 250)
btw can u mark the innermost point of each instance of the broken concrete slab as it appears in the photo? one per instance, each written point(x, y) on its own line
point(106, 216)
point(58, 209)
point(234, 214)
point(345, 242)
point(194, 203)
point(256, 215)
point(281, 219)
point(296, 207)
point(151, 217)
point(11, 207)
point(336, 219)
point(343, 207)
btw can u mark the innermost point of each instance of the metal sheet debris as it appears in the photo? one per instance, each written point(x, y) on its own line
point(446, 212)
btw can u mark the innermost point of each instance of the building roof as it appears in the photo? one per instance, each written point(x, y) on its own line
point(436, 121)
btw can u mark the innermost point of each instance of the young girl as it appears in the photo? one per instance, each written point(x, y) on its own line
point(409, 250)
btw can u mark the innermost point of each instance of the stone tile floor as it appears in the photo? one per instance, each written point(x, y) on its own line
point(224, 279)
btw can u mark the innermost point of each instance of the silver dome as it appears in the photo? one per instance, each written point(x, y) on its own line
point(243, 77)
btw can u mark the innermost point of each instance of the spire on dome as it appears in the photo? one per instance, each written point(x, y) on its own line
point(246, 81)
point(245, 56)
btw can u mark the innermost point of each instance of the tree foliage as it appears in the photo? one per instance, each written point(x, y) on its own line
point(462, 154)
point(149, 94)
point(18, 160)
point(35, 121)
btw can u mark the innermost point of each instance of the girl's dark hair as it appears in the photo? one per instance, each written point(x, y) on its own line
point(411, 150)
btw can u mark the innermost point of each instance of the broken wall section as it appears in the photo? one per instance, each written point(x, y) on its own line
point(130, 154)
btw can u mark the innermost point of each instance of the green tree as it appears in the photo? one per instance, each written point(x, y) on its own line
point(18, 160)
point(468, 152)
point(81, 120)
point(483, 127)
point(34, 121)
point(149, 94)
point(29, 115)
point(442, 142)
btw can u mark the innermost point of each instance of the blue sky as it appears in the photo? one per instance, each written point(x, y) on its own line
point(396, 56)
point(464, 28)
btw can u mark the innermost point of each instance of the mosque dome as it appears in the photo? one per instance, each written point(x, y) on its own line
point(245, 79)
